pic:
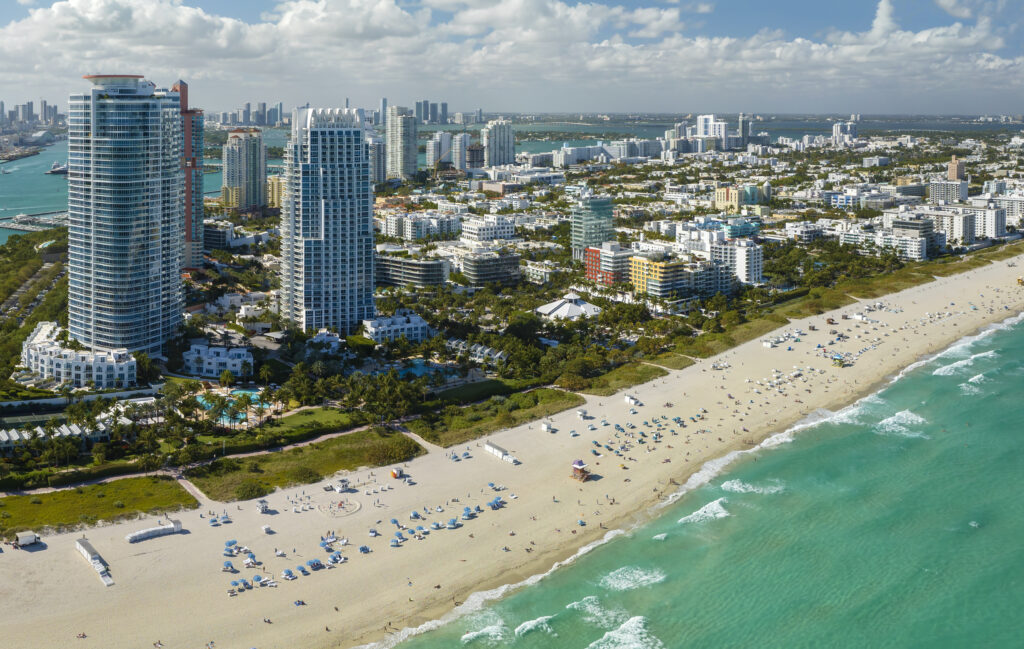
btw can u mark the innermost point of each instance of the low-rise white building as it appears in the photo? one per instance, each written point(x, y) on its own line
point(571, 307)
point(404, 323)
point(46, 359)
point(488, 228)
point(211, 360)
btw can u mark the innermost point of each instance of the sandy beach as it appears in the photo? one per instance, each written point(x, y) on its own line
point(172, 589)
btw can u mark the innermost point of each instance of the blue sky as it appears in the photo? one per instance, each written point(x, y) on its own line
point(659, 55)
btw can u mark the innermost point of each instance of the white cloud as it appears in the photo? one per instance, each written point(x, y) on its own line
point(508, 54)
point(700, 7)
point(954, 8)
point(26, 3)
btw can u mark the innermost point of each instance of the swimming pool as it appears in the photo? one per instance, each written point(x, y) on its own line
point(206, 404)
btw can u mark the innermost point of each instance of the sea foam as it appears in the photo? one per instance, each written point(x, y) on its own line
point(708, 512)
point(631, 578)
point(632, 634)
point(488, 636)
point(740, 487)
point(538, 624)
point(949, 370)
point(900, 423)
point(596, 614)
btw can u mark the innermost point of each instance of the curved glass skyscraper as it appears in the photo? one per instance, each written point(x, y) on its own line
point(125, 214)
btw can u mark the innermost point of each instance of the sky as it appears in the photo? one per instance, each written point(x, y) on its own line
point(671, 56)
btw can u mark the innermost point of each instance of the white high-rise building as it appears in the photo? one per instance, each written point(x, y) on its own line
point(459, 143)
point(439, 149)
point(499, 143)
point(378, 158)
point(126, 214)
point(844, 133)
point(401, 143)
point(244, 186)
point(708, 126)
point(327, 251)
point(744, 257)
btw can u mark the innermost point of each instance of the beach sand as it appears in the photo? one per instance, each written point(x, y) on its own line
point(172, 589)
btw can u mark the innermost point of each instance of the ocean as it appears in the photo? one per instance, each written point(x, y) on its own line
point(896, 522)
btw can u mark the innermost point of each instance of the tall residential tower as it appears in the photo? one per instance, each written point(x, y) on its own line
point(327, 250)
point(244, 186)
point(400, 147)
point(192, 161)
point(499, 143)
point(126, 203)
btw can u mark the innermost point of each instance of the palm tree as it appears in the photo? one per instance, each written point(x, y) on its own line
point(243, 403)
point(265, 374)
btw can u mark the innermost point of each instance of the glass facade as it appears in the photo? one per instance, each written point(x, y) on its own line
point(125, 215)
point(327, 248)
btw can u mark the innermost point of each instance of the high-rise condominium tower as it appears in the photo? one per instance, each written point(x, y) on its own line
point(592, 223)
point(192, 161)
point(125, 214)
point(460, 141)
point(401, 146)
point(499, 143)
point(327, 250)
point(244, 157)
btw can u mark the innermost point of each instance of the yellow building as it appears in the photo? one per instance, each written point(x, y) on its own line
point(230, 196)
point(658, 277)
point(275, 189)
point(727, 199)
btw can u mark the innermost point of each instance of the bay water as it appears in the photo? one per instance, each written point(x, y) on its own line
point(896, 522)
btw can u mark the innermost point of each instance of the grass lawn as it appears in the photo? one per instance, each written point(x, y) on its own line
point(672, 361)
point(622, 377)
point(243, 478)
point(327, 418)
point(484, 389)
point(454, 425)
point(87, 505)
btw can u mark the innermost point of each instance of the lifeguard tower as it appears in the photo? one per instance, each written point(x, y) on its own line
point(580, 471)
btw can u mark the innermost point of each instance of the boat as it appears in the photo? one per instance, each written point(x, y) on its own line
point(58, 169)
point(4, 170)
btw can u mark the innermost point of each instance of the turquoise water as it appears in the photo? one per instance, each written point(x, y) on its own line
point(896, 522)
point(206, 404)
point(28, 189)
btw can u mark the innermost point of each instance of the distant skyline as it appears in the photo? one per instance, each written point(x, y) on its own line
point(669, 56)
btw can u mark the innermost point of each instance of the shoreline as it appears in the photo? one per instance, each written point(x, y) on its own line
point(500, 587)
point(171, 576)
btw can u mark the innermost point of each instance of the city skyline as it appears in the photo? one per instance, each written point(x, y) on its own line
point(666, 57)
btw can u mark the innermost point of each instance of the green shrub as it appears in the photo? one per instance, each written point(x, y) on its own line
point(249, 489)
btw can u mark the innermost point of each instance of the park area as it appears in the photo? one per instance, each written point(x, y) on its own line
point(118, 499)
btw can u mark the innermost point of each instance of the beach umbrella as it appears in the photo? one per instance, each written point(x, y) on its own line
point(227, 564)
point(301, 568)
point(230, 543)
point(287, 572)
point(311, 563)
point(394, 521)
point(252, 556)
point(257, 578)
point(491, 485)
point(234, 583)
point(323, 544)
point(420, 528)
point(398, 535)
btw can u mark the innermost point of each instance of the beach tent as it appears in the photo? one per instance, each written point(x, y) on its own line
point(394, 543)
point(364, 549)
